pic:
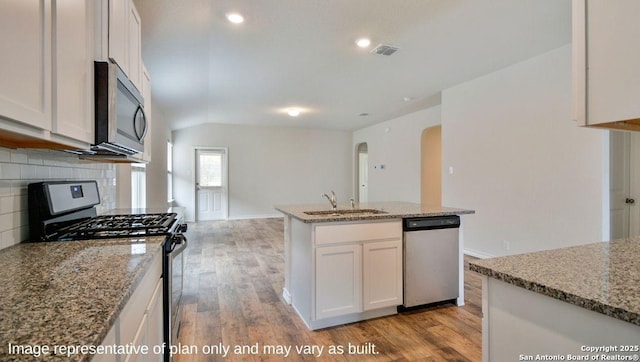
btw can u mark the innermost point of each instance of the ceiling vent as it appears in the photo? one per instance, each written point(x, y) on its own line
point(383, 49)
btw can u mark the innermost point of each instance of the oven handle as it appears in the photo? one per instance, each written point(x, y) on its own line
point(178, 244)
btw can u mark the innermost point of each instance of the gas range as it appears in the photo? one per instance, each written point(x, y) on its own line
point(63, 211)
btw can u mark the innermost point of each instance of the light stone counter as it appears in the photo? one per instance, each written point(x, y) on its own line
point(392, 210)
point(602, 277)
point(68, 293)
point(563, 304)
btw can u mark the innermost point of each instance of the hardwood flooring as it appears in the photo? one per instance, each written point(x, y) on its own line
point(232, 298)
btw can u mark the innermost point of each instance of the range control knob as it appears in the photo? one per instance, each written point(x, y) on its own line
point(182, 228)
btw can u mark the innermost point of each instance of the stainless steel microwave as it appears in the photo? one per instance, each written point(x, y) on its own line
point(121, 124)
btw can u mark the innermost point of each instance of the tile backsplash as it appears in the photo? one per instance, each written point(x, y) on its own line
point(20, 167)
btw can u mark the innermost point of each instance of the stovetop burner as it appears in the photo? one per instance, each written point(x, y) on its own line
point(113, 226)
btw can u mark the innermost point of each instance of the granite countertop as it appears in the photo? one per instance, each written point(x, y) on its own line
point(602, 277)
point(392, 210)
point(68, 293)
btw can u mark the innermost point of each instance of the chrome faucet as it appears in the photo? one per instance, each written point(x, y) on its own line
point(332, 200)
point(353, 203)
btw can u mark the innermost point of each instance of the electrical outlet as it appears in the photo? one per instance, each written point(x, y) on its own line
point(506, 245)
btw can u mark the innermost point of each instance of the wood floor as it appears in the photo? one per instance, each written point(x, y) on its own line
point(232, 297)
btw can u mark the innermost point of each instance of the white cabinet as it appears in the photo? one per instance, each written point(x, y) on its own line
point(357, 270)
point(46, 93)
point(358, 277)
point(155, 335)
point(73, 94)
point(125, 39)
point(338, 280)
point(134, 46)
point(25, 62)
point(606, 76)
point(118, 18)
point(382, 274)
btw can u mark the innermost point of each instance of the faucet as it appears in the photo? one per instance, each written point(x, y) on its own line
point(353, 203)
point(332, 200)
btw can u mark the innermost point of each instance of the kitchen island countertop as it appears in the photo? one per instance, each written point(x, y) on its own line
point(68, 293)
point(602, 277)
point(392, 210)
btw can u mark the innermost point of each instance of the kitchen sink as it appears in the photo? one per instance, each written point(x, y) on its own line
point(345, 212)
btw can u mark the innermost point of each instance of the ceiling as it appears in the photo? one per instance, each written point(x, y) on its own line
point(302, 53)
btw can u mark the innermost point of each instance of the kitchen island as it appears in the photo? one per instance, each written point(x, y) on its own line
point(566, 302)
point(70, 294)
point(346, 265)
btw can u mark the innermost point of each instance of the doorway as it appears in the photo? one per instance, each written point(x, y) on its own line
point(362, 181)
point(624, 184)
point(431, 166)
point(211, 179)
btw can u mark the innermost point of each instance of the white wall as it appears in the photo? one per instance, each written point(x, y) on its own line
point(534, 178)
point(268, 166)
point(396, 144)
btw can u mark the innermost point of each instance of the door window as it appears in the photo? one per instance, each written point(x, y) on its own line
point(210, 169)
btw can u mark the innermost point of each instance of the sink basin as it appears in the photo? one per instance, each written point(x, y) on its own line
point(345, 212)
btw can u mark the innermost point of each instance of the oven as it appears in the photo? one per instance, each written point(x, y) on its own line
point(173, 268)
point(65, 211)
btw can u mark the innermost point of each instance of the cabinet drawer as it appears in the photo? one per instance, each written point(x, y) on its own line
point(331, 234)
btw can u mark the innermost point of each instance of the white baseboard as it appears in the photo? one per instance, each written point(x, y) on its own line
point(259, 216)
point(478, 254)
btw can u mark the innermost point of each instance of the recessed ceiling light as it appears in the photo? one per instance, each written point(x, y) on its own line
point(293, 112)
point(235, 18)
point(363, 42)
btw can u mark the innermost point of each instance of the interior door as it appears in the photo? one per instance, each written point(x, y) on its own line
point(363, 177)
point(211, 184)
point(624, 184)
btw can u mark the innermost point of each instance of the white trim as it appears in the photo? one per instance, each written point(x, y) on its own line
point(256, 216)
point(478, 254)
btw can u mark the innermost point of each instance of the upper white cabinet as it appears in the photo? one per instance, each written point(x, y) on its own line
point(606, 75)
point(73, 94)
point(118, 16)
point(135, 47)
point(25, 62)
point(125, 39)
point(46, 92)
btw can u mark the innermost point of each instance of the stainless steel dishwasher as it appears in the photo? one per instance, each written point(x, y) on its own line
point(431, 260)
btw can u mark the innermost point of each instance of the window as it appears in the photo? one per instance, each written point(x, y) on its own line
point(138, 186)
point(210, 169)
point(169, 171)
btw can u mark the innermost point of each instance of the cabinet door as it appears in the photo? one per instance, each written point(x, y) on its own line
point(134, 34)
point(155, 322)
point(25, 62)
point(73, 67)
point(382, 274)
point(118, 28)
point(338, 289)
point(606, 72)
point(139, 339)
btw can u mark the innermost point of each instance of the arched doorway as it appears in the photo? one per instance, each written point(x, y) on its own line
point(431, 167)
